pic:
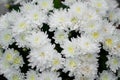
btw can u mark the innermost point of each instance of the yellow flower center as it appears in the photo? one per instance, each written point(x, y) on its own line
point(74, 20)
point(91, 26)
point(42, 54)
point(17, 60)
point(72, 63)
point(111, 16)
point(7, 37)
point(105, 77)
point(9, 57)
point(87, 44)
point(56, 61)
point(61, 36)
point(32, 77)
point(15, 77)
point(108, 42)
point(78, 9)
point(95, 35)
point(115, 61)
point(71, 49)
point(37, 39)
point(22, 25)
point(61, 19)
point(99, 5)
point(89, 55)
point(7, 6)
point(36, 16)
point(27, 7)
point(44, 4)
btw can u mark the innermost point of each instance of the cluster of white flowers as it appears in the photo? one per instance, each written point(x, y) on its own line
point(95, 26)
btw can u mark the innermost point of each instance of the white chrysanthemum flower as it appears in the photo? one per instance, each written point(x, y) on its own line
point(87, 69)
point(6, 38)
point(95, 35)
point(4, 22)
point(57, 62)
point(32, 75)
point(113, 62)
point(17, 62)
point(71, 65)
point(21, 25)
point(49, 75)
point(37, 39)
point(107, 75)
point(36, 17)
point(42, 57)
point(75, 21)
point(78, 9)
point(60, 19)
point(20, 39)
point(9, 19)
point(6, 66)
point(15, 75)
point(7, 61)
point(90, 14)
point(101, 6)
point(60, 36)
point(9, 55)
point(107, 27)
point(109, 42)
point(88, 46)
point(70, 48)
